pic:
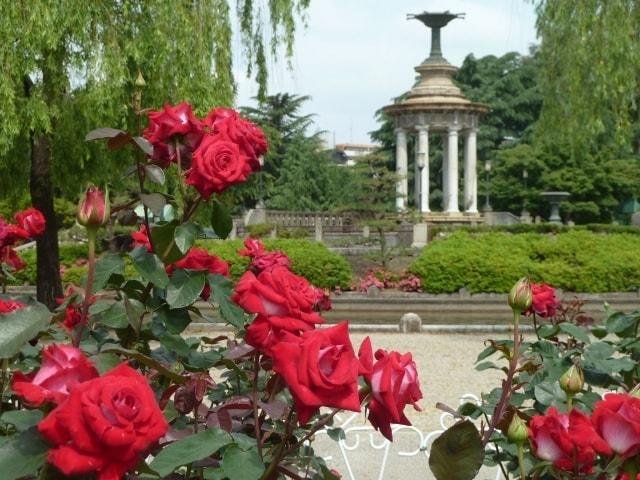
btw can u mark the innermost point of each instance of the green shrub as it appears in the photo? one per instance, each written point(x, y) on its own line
point(260, 230)
point(292, 232)
point(70, 253)
point(312, 260)
point(578, 260)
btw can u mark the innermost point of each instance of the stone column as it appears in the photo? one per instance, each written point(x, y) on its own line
point(445, 173)
point(401, 169)
point(470, 173)
point(416, 176)
point(452, 171)
point(422, 156)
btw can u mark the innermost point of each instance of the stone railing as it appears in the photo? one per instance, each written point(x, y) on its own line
point(293, 219)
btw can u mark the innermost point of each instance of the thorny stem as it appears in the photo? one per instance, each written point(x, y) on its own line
point(507, 383)
point(311, 432)
point(256, 417)
point(279, 455)
point(88, 293)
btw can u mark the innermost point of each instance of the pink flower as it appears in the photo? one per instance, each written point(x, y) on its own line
point(394, 385)
point(94, 210)
point(32, 221)
point(8, 306)
point(569, 441)
point(63, 367)
point(617, 420)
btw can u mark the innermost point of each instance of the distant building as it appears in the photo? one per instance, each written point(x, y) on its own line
point(346, 153)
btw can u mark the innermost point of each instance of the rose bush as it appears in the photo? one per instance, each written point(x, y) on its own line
point(113, 385)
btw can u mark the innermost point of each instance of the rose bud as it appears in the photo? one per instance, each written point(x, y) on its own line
point(572, 380)
point(518, 432)
point(520, 297)
point(94, 209)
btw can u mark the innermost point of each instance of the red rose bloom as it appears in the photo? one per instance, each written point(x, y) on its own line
point(569, 441)
point(199, 259)
point(253, 247)
point(104, 425)
point(63, 367)
point(170, 126)
point(10, 234)
point(10, 257)
point(279, 296)
point(8, 306)
point(268, 260)
point(544, 302)
point(320, 369)
point(244, 133)
point(217, 164)
point(32, 221)
point(141, 238)
point(617, 421)
point(394, 385)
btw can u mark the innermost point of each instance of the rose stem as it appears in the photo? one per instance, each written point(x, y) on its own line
point(256, 417)
point(88, 293)
point(523, 476)
point(507, 383)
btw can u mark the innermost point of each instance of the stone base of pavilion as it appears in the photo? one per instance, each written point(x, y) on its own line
point(453, 218)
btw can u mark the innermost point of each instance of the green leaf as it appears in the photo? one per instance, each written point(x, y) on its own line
point(149, 362)
point(457, 454)
point(23, 455)
point(22, 419)
point(20, 326)
point(619, 322)
point(190, 449)
point(153, 201)
point(241, 464)
point(134, 310)
point(336, 434)
point(150, 267)
point(185, 235)
point(115, 316)
point(106, 266)
point(154, 173)
point(549, 393)
point(221, 290)
point(102, 133)
point(575, 331)
point(175, 344)
point(184, 288)
point(163, 240)
point(176, 320)
point(221, 220)
point(105, 362)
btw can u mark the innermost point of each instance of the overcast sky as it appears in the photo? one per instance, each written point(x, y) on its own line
point(356, 55)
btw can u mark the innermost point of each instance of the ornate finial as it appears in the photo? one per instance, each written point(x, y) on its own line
point(435, 21)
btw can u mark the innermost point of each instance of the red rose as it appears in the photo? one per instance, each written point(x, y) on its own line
point(253, 247)
point(141, 238)
point(320, 368)
point(247, 135)
point(170, 126)
point(217, 164)
point(544, 301)
point(569, 441)
point(278, 293)
point(365, 357)
point(10, 257)
point(268, 260)
point(617, 421)
point(626, 476)
point(32, 221)
point(394, 385)
point(200, 260)
point(63, 367)
point(10, 234)
point(104, 426)
point(8, 306)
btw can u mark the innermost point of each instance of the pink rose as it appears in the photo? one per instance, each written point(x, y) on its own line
point(569, 441)
point(63, 367)
point(32, 221)
point(10, 257)
point(394, 385)
point(617, 421)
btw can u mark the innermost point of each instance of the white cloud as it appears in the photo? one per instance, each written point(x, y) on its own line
point(358, 54)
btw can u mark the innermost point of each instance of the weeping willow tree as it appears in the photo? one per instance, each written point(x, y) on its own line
point(70, 65)
point(590, 72)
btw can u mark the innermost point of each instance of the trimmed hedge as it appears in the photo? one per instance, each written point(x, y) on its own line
point(312, 260)
point(69, 254)
point(538, 228)
point(576, 261)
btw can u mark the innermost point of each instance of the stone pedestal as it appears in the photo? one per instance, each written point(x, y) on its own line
point(420, 235)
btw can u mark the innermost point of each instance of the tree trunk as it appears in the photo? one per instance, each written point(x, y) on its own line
point(49, 285)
